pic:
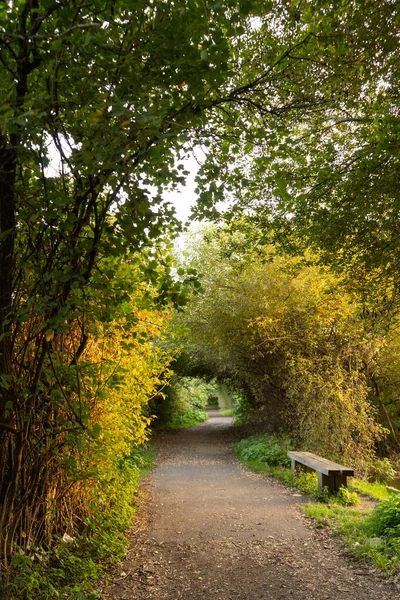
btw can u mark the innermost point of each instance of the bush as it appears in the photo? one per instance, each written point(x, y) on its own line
point(308, 484)
point(191, 417)
point(346, 498)
point(69, 570)
point(385, 518)
point(267, 449)
point(381, 471)
point(290, 338)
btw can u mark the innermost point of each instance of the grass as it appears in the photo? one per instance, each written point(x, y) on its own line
point(188, 419)
point(376, 491)
point(356, 529)
point(229, 412)
point(372, 534)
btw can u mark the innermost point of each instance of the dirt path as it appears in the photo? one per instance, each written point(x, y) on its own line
point(212, 531)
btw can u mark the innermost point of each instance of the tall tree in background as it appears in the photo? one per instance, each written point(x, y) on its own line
point(286, 334)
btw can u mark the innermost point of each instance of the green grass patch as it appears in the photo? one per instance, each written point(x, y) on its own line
point(358, 530)
point(376, 491)
point(188, 419)
point(229, 412)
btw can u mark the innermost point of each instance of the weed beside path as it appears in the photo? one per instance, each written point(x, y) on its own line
point(213, 530)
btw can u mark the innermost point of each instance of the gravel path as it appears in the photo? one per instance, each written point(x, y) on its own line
point(210, 530)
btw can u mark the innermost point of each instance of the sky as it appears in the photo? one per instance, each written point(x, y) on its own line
point(183, 198)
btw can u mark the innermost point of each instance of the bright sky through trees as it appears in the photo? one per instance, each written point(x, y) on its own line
point(184, 197)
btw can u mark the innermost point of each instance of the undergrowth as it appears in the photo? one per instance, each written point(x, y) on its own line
point(308, 484)
point(188, 419)
point(70, 568)
point(264, 451)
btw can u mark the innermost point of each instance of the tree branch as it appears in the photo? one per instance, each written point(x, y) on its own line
point(9, 429)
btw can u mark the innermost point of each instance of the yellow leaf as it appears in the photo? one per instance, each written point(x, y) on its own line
point(49, 335)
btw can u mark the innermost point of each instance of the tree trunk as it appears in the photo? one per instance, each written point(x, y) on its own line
point(7, 241)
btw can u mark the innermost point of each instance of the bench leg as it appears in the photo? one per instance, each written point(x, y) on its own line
point(332, 482)
point(340, 480)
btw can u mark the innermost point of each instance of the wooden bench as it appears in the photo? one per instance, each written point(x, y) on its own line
point(330, 474)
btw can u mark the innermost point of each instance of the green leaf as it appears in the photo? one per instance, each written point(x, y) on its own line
point(96, 430)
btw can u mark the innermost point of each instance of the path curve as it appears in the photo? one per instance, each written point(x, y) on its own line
point(210, 530)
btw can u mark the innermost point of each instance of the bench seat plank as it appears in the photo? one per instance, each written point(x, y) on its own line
point(322, 465)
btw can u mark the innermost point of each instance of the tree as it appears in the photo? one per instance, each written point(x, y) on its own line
point(327, 177)
point(117, 90)
point(102, 85)
point(120, 91)
point(290, 337)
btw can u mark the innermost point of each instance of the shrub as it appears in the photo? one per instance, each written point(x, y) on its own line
point(346, 498)
point(268, 449)
point(69, 570)
point(381, 471)
point(308, 484)
point(385, 518)
point(287, 334)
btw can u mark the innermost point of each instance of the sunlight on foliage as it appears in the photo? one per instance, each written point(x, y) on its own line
point(289, 335)
point(373, 490)
point(183, 402)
